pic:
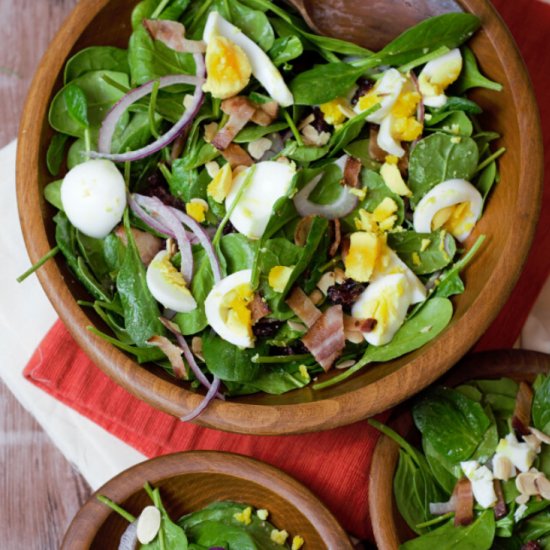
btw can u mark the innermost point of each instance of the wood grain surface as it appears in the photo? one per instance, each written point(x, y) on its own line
point(41, 491)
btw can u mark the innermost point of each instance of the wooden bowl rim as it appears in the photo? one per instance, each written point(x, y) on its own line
point(321, 413)
point(93, 514)
point(383, 465)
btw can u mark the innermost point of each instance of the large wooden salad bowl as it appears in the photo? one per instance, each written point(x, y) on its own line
point(189, 482)
point(508, 222)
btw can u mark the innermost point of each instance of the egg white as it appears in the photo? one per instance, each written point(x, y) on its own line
point(213, 308)
point(93, 195)
point(386, 141)
point(443, 195)
point(270, 181)
point(437, 67)
point(263, 68)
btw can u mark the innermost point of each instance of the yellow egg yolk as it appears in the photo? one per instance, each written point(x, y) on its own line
point(197, 210)
point(404, 126)
point(170, 274)
point(221, 184)
point(362, 255)
point(380, 220)
point(370, 99)
point(238, 316)
point(393, 179)
point(228, 68)
point(440, 78)
point(297, 542)
point(456, 220)
point(245, 516)
point(278, 277)
point(333, 111)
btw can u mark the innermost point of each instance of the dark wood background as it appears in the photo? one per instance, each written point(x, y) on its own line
point(40, 490)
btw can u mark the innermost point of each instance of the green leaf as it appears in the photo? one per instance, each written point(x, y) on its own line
point(305, 153)
point(55, 154)
point(285, 49)
point(487, 179)
point(452, 423)
point(421, 259)
point(76, 104)
point(471, 77)
point(52, 193)
point(478, 535)
point(238, 252)
point(536, 527)
point(253, 23)
point(455, 103)
point(96, 58)
point(252, 133)
point(541, 404)
point(360, 150)
point(436, 159)
point(456, 123)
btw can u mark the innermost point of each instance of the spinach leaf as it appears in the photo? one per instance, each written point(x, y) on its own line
point(436, 159)
point(455, 123)
point(135, 135)
point(445, 473)
point(99, 96)
point(141, 311)
point(285, 49)
point(487, 179)
point(421, 259)
point(76, 104)
point(304, 153)
point(238, 252)
point(452, 423)
point(471, 77)
point(52, 193)
point(324, 83)
point(541, 404)
point(93, 252)
point(417, 331)
point(186, 183)
point(253, 23)
point(55, 154)
point(252, 133)
point(96, 58)
point(360, 150)
point(147, 8)
point(478, 535)
point(455, 103)
point(229, 362)
point(535, 527)
point(279, 380)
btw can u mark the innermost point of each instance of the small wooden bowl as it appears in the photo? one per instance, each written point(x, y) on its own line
point(190, 481)
point(509, 222)
point(390, 530)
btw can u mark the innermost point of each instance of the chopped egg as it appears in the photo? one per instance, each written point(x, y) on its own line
point(197, 208)
point(93, 195)
point(393, 179)
point(386, 300)
point(334, 111)
point(520, 454)
point(304, 373)
point(278, 537)
point(386, 140)
point(363, 252)
point(297, 542)
point(437, 75)
point(245, 516)
point(167, 285)
point(454, 205)
point(268, 182)
point(481, 479)
point(385, 91)
point(262, 514)
point(227, 309)
point(404, 126)
point(261, 65)
point(220, 185)
point(227, 67)
point(278, 277)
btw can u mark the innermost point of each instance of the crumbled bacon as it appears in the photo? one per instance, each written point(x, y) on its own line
point(325, 339)
point(375, 152)
point(300, 303)
point(266, 113)
point(237, 156)
point(240, 111)
point(500, 507)
point(464, 502)
point(173, 353)
point(522, 410)
point(337, 237)
point(302, 230)
point(352, 170)
point(148, 245)
point(258, 308)
point(172, 34)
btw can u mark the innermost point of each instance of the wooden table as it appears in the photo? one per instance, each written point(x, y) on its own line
point(41, 491)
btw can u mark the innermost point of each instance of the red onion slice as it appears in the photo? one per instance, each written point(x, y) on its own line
point(210, 395)
point(109, 124)
point(129, 540)
point(341, 207)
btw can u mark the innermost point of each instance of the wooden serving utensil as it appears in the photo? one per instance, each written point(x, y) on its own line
point(367, 22)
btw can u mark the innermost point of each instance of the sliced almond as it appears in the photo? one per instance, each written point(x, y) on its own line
point(313, 137)
point(340, 275)
point(148, 524)
point(316, 296)
point(308, 120)
point(522, 499)
point(326, 281)
point(533, 442)
point(212, 168)
point(502, 467)
point(541, 436)
point(345, 364)
point(298, 327)
point(355, 337)
point(196, 347)
point(258, 148)
point(543, 485)
point(525, 484)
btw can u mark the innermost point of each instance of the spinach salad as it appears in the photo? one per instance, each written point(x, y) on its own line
point(481, 479)
point(250, 205)
point(223, 525)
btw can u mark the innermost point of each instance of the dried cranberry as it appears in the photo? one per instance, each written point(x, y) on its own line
point(156, 186)
point(364, 86)
point(531, 545)
point(228, 228)
point(295, 348)
point(266, 328)
point(319, 123)
point(346, 293)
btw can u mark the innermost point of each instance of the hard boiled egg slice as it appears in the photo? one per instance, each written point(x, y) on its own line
point(265, 183)
point(437, 75)
point(482, 483)
point(454, 205)
point(385, 91)
point(167, 284)
point(385, 139)
point(387, 301)
point(262, 66)
point(94, 197)
point(226, 308)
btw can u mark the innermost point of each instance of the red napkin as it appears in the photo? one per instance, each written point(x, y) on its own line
point(333, 464)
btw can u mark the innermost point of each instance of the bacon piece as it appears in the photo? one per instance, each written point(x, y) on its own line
point(172, 34)
point(173, 353)
point(240, 111)
point(237, 156)
point(300, 303)
point(375, 152)
point(500, 507)
point(325, 339)
point(148, 245)
point(302, 231)
point(522, 410)
point(258, 308)
point(464, 502)
point(337, 238)
point(352, 170)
